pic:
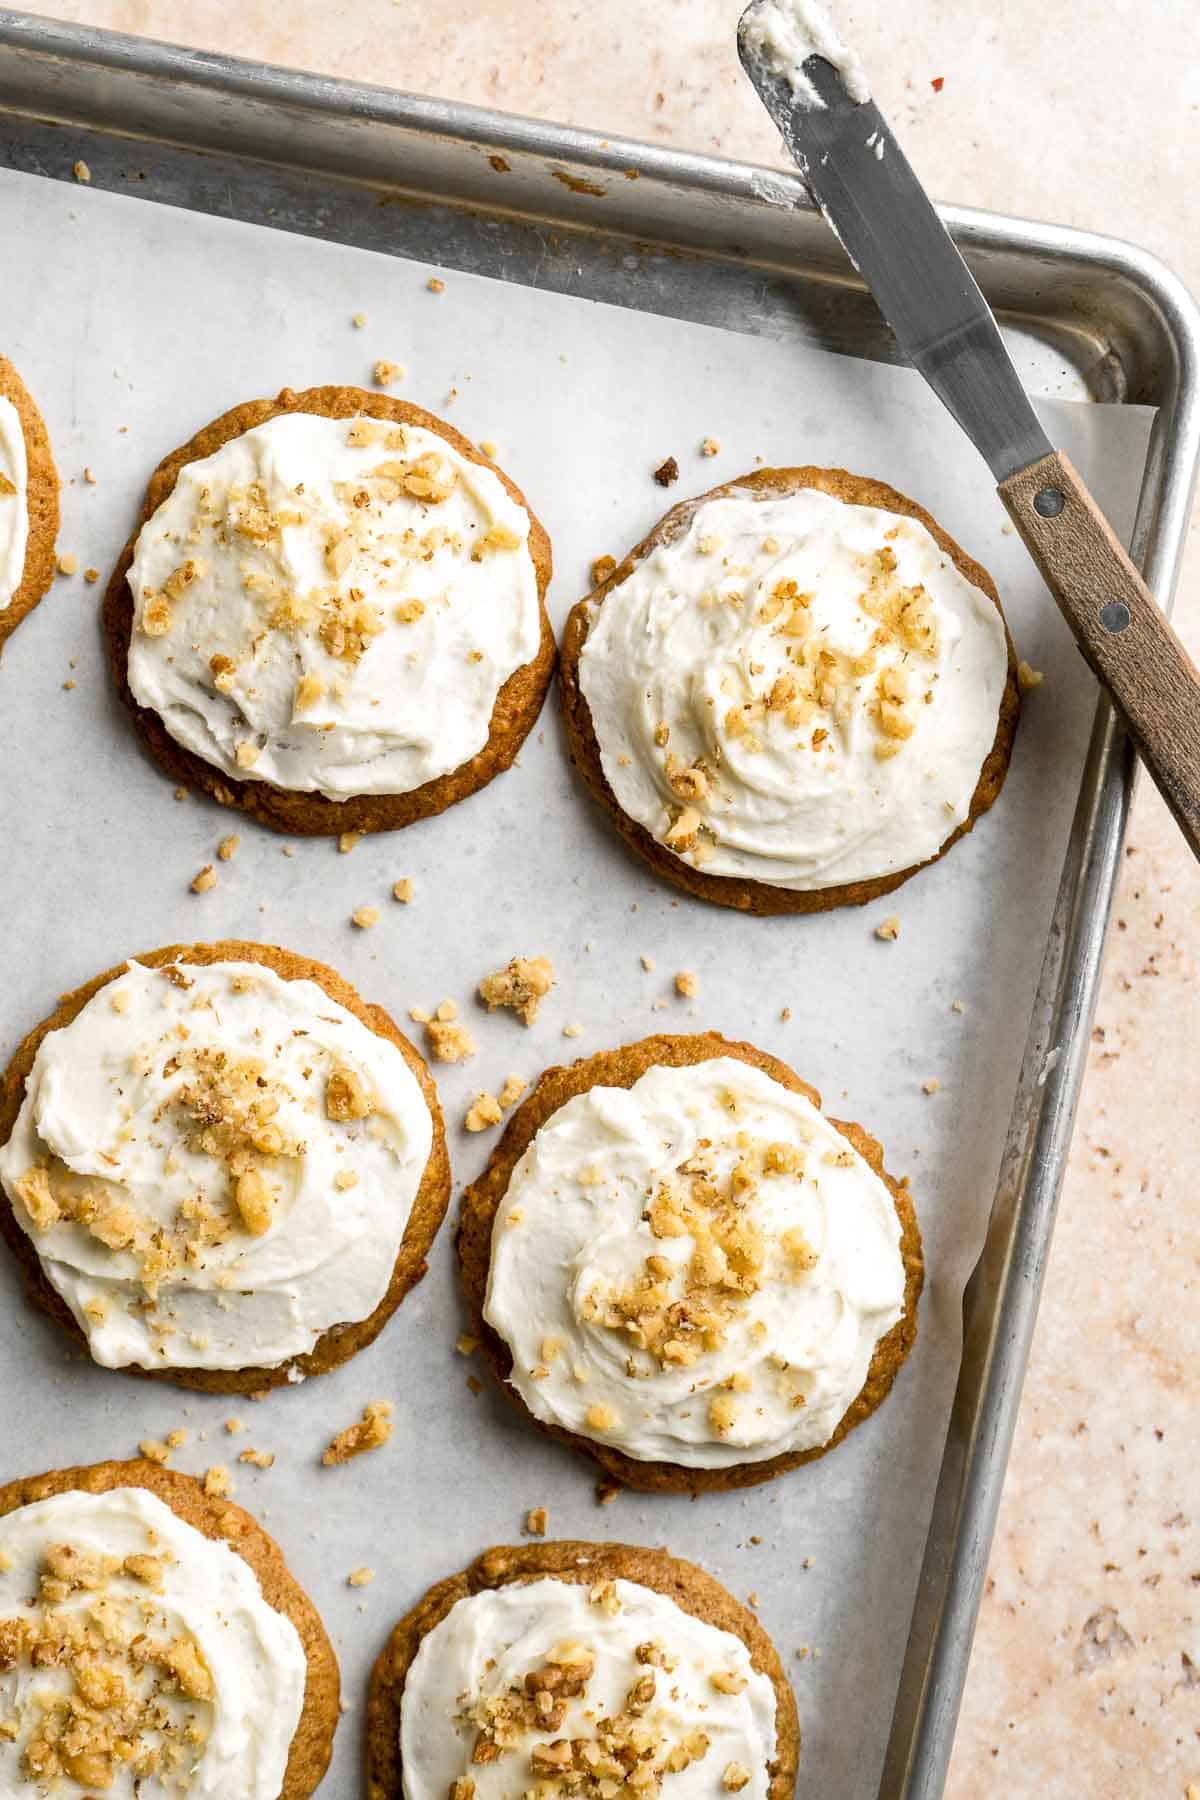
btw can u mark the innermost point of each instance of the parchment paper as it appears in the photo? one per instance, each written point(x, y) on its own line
point(133, 325)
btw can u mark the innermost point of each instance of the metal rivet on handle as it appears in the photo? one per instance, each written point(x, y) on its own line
point(1114, 615)
point(1049, 502)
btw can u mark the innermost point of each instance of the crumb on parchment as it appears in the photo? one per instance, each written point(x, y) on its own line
point(67, 563)
point(386, 372)
point(510, 1093)
point(204, 879)
point(364, 917)
point(448, 1038)
point(217, 1483)
point(709, 446)
point(360, 1577)
point(347, 840)
point(888, 929)
point(536, 1521)
point(1028, 677)
point(686, 984)
point(402, 890)
point(436, 285)
point(372, 1430)
point(667, 472)
point(483, 1113)
point(521, 986)
point(261, 1459)
point(602, 568)
point(228, 847)
point(931, 1086)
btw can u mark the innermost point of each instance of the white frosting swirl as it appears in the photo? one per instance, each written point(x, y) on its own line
point(695, 1269)
point(473, 1665)
point(14, 501)
point(796, 690)
point(332, 606)
point(198, 1206)
point(233, 1740)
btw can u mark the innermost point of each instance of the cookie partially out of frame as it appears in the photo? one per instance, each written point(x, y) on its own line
point(339, 1343)
point(313, 814)
point(690, 1588)
point(41, 504)
point(486, 1197)
point(686, 870)
point(226, 1523)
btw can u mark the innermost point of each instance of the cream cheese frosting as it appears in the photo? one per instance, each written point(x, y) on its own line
point(14, 501)
point(695, 1269)
point(551, 1675)
point(215, 1165)
point(795, 690)
point(138, 1657)
point(787, 32)
point(332, 605)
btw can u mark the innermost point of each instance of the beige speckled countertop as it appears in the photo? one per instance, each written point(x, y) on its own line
point(1085, 1679)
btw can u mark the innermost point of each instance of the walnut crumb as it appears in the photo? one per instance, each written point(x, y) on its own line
point(372, 1430)
point(510, 1093)
point(67, 563)
point(709, 446)
point(402, 890)
point(364, 917)
point(931, 1086)
point(204, 879)
point(386, 372)
point(785, 1013)
point(217, 1483)
point(261, 1459)
point(602, 568)
point(176, 1439)
point(358, 320)
point(91, 575)
point(436, 285)
point(448, 1039)
point(233, 1426)
point(521, 986)
point(81, 172)
point(686, 984)
point(648, 964)
point(573, 1030)
point(347, 840)
point(154, 1450)
point(667, 472)
point(734, 1777)
point(228, 847)
point(957, 1006)
point(1028, 677)
point(483, 1113)
point(536, 1521)
point(360, 1577)
point(607, 1491)
point(489, 449)
point(888, 929)
point(600, 1418)
point(466, 1344)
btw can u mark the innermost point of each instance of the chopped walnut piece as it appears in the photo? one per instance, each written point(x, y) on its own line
point(722, 1414)
point(402, 890)
point(436, 285)
point(217, 1483)
point(521, 986)
point(255, 1202)
point(686, 984)
point(358, 320)
point(483, 1113)
point(536, 1521)
point(146, 1569)
point(185, 1660)
point(309, 689)
point(261, 1459)
point(360, 1577)
point(81, 172)
point(496, 537)
point(449, 1041)
point(364, 917)
point(386, 372)
point(246, 754)
point(204, 879)
point(228, 847)
point(510, 1093)
point(154, 1450)
point(709, 446)
point(35, 1194)
point(372, 1430)
point(931, 1086)
point(600, 1418)
point(667, 472)
point(683, 832)
point(346, 1096)
point(734, 1777)
point(462, 1789)
point(573, 1030)
point(347, 840)
point(409, 611)
point(888, 929)
point(1028, 677)
point(728, 1681)
point(67, 563)
point(233, 1426)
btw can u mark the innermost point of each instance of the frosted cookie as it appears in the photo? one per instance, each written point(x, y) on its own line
point(680, 1266)
point(153, 1644)
point(28, 503)
point(332, 613)
point(221, 1166)
point(564, 1668)
point(794, 693)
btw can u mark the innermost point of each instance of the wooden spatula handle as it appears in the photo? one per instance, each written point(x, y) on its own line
point(1122, 633)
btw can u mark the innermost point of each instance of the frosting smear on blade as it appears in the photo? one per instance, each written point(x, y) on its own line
point(558, 1682)
point(787, 32)
point(215, 1165)
point(695, 1269)
point(332, 605)
point(796, 690)
point(138, 1658)
point(14, 502)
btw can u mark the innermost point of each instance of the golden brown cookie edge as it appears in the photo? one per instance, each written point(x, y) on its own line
point(757, 897)
point(41, 503)
point(621, 1068)
point(339, 1343)
point(311, 815)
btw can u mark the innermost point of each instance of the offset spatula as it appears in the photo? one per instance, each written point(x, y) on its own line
point(862, 181)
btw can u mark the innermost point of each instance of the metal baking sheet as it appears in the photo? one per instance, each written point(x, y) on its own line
point(721, 272)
